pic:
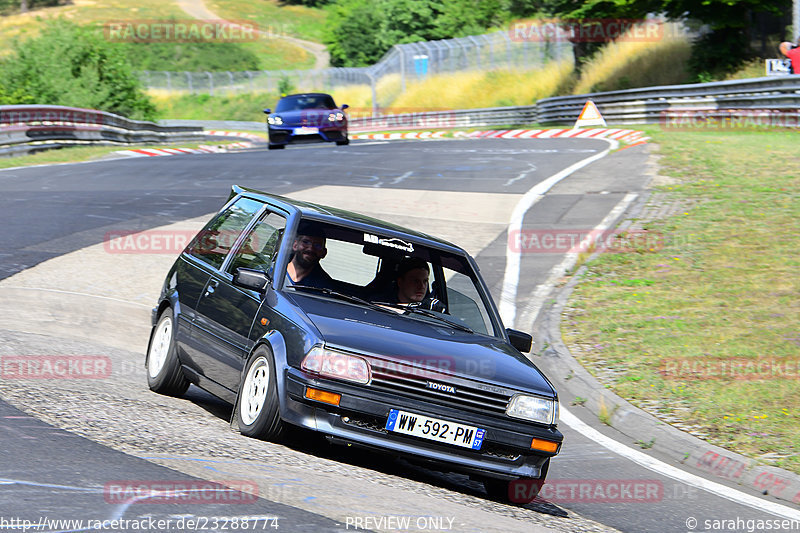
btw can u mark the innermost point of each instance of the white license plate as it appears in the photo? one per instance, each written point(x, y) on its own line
point(305, 130)
point(435, 429)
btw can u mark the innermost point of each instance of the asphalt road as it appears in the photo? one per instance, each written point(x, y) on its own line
point(52, 211)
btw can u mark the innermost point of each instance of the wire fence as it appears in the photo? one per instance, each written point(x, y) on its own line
point(387, 78)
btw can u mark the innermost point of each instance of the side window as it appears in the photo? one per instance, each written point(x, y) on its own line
point(214, 242)
point(259, 247)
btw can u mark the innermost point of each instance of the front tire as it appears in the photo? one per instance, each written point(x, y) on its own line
point(164, 374)
point(344, 142)
point(257, 407)
point(276, 146)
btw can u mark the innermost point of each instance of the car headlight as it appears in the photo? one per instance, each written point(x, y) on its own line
point(335, 364)
point(274, 120)
point(335, 117)
point(533, 408)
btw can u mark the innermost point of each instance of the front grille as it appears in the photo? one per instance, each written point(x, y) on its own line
point(413, 381)
point(371, 423)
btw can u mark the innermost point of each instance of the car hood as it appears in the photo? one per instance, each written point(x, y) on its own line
point(420, 341)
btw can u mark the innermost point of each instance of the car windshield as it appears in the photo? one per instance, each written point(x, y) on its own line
point(305, 101)
point(400, 274)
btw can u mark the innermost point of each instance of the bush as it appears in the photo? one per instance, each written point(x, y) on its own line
point(72, 65)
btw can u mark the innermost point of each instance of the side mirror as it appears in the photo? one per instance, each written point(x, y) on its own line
point(251, 279)
point(345, 106)
point(519, 340)
point(268, 111)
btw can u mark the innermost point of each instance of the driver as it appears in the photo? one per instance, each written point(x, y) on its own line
point(308, 249)
point(412, 280)
point(411, 283)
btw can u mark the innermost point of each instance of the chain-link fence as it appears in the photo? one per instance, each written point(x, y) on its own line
point(387, 78)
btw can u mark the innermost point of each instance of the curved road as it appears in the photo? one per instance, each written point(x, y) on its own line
point(91, 302)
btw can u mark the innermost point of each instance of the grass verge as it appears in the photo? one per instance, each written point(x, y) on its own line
point(704, 332)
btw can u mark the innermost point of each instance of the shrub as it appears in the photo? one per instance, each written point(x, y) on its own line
point(72, 65)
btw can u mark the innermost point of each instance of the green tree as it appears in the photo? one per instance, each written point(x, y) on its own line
point(72, 65)
point(356, 33)
point(722, 48)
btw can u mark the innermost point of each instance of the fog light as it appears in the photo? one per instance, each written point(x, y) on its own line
point(323, 396)
point(544, 445)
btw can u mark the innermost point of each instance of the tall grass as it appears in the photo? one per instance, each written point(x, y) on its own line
point(628, 64)
point(475, 89)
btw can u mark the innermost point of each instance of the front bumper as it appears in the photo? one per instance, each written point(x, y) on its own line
point(361, 417)
point(287, 135)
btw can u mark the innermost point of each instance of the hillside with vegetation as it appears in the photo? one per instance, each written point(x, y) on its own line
point(38, 63)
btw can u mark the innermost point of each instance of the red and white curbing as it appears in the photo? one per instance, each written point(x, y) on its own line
point(202, 149)
point(241, 134)
point(629, 137)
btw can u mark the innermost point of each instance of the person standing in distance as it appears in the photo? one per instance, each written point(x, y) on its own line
point(792, 51)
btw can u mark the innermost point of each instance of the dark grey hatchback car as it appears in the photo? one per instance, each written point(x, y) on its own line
point(437, 381)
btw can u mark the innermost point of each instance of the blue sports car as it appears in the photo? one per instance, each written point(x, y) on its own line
point(304, 118)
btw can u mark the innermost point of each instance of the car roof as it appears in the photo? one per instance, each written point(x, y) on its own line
point(304, 94)
point(335, 215)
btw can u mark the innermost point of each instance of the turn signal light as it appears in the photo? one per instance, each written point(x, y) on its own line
point(323, 396)
point(544, 445)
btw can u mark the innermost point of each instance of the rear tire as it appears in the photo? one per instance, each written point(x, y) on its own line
point(345, 142)
point(276, 146)
point(257, 406)
point(519, 491)
point(164, 374)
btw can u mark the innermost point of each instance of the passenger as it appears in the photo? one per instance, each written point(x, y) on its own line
point(308, 249)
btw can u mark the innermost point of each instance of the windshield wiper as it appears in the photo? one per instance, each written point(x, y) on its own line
point(342, 296)
point(415, 308)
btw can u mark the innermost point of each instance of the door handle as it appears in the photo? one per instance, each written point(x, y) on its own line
point(212, 286)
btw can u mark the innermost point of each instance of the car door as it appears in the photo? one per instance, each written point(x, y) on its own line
point(225, 312)
point(202, 259)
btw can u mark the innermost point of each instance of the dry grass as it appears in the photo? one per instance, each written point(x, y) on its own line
point(628, 64)
point(476, 89)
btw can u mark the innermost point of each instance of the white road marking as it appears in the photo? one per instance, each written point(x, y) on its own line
point(675, 473)
point(508, 312)
point(508, 296)
point(570, 258)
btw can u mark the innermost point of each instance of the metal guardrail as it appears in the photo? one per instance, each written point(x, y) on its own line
point(763, 101)
point(653, 105)
point(25, 128)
